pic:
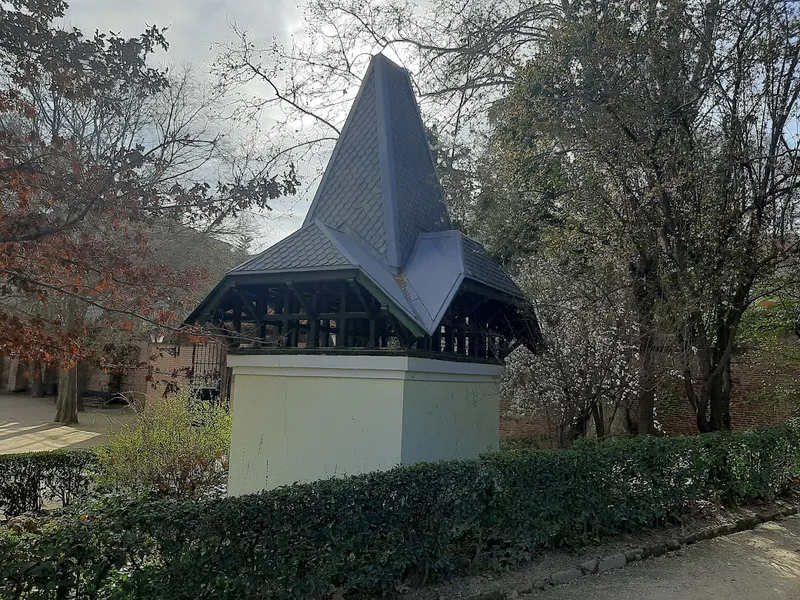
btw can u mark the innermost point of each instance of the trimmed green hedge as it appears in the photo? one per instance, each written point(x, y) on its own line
point(375, 533)
point(29, 480)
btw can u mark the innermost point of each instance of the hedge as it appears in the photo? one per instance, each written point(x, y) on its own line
point(376, 533)
point(29, 480)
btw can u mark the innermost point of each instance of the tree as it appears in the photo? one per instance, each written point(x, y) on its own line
point(671, 124)
point(96, 149)
point(586, 371)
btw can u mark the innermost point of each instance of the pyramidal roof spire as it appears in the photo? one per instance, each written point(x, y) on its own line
point(377, 219)
point(380, 185)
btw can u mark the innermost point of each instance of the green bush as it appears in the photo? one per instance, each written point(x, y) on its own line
point(28, 481)
point(374, 533)
point(178, 446)
point(511, 444)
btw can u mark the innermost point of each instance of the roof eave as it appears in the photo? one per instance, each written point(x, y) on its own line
point(293, 270)
point(407, 320)
point(493, 292)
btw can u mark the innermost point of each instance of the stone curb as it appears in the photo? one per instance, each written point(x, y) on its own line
point(619, 560)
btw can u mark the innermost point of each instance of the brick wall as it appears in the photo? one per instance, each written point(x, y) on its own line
point(97, 380)
point(766, 391)
point(538, 431)
point(163, 366)
point(169, 366)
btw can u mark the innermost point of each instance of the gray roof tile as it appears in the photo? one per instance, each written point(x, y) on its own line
point(381, 180)
point(419, 196)
point(480, 267)
point(306, 248)
point(350, 191)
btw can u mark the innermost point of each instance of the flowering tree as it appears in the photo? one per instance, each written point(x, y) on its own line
point(587, 372)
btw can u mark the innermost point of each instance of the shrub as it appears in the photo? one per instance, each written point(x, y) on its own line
point(374, 533)
point(540, 442)
point(178, 446)
point(28, 481)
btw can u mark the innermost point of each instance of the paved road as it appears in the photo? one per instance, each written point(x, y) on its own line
point(762, 564)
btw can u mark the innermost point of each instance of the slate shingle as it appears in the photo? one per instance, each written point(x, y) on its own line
point(306, 248)
point(479, 266)
point(420, 207)
point(350, 191)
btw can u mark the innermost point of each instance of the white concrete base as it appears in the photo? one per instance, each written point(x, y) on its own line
point(302, 418)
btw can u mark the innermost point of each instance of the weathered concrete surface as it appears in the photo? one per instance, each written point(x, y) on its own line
point(26, 425)
point(761, 564)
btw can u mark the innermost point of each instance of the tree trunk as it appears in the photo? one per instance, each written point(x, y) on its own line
point(599, 420)
point(50, 380)
point(630, 423)
point(701, 418)
point(645, 285)
point(713, 404)
point(36, 379)
point(720, 400)
point(646, 400)
point(67, 400)
point(576, 427)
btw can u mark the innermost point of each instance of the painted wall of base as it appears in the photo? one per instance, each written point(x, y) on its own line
point(299, 418)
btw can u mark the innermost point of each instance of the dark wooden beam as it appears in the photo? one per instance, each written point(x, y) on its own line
point(285, 331)
point(341, 320)
point(279, 279)
point(475, 307)
point(490, 293)
point(237, 328)
point(262, 326)
point(481, 344)
point(491, 347)
point(449, 339)
point(321, 316)
point(312, 340)
point(461, 338)
point(300, 298)
point(401, 333)
point(373, 333)
point(409, 323)
point(436, 340)
point(247, 303)
point(368, 306)
point(495, 314)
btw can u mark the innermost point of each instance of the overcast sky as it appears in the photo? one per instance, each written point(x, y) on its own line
point(194, 26)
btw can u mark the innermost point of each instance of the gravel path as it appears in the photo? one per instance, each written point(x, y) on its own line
point(26, 425)
point(761, 564)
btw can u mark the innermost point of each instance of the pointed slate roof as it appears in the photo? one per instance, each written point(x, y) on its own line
point(381, 180)
point(379, 210)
